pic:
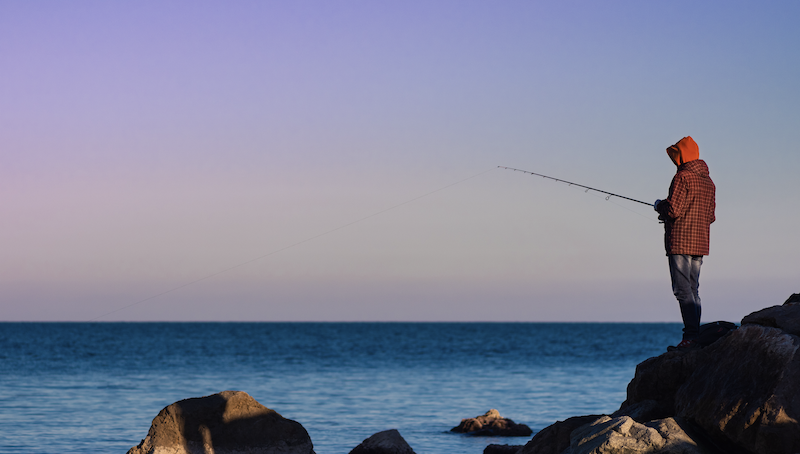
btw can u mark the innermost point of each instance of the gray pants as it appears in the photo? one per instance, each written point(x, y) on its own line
point(685, 273)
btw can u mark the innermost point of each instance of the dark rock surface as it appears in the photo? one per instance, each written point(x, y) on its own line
point(645, 410)
point(501, 449)
point(230, 422)
point(658, 379)
point(386, 442)
point(786, 317)
point(554, 439)
point(747, 391)
point(492, 424)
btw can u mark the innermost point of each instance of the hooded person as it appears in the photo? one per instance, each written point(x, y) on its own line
point(687, 213)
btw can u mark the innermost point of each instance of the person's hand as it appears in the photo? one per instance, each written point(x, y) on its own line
point(655, 205)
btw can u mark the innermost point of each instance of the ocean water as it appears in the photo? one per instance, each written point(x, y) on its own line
point(95, 387)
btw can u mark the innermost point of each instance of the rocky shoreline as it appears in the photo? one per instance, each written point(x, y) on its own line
point(741, 394)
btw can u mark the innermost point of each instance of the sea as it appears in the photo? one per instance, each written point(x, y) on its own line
point(96, 387)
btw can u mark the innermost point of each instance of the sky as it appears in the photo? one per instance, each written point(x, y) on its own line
point(338, 161)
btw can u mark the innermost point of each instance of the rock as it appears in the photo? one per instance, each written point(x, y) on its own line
point(386, 442)
point(658, 379)
point(676, 438)
point(230, 422)
point(741, 394)
point(492, 424)
point(624, 435)
point(786, 317)
point(502, 449)
point(746, 391)
point(554, 439)
point(614, 435)
point(644, 411)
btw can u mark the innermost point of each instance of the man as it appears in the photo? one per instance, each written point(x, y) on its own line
point(687, 214)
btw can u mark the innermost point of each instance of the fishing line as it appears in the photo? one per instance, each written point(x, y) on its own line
point(328, 232)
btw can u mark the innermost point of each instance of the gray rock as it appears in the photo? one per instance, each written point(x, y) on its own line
point(615, 436)
point(386, 442)
point(492, 424)
point(230, 422)
point(554, 439)
point(786, 317)
point(623, 435)
point(747, 391)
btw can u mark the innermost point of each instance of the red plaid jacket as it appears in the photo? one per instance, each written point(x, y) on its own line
point(689, 210)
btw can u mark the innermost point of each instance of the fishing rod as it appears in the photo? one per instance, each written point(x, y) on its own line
point(610, 194)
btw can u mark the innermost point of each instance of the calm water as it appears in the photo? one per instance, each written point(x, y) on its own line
point(95, 387)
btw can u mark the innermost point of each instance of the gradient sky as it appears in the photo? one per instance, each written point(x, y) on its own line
point(146, 145)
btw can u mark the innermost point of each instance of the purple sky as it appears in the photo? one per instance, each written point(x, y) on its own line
point(144, 146)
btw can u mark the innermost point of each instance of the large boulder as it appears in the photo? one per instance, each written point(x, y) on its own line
point(230, 422)
point(746, 391)
point(741, 394)
point(492, 424)
point(555, 438)
point(386, 442)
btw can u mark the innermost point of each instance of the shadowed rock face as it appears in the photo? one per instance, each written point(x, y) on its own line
point(492, 424)
point(230, 422)
point(748, 391)
point(786, 317)
point(658, 379)
point(386, 442)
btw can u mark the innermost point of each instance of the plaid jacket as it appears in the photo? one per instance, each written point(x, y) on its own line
point(689, 210)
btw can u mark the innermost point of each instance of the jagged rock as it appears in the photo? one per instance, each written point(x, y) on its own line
point(386, 442)
point(554, 439)
point(786, 317)
point(230, 422)
point(501, 449)
point(615, 435)
point(624, 435)
point(492, 424)
point(746, 391)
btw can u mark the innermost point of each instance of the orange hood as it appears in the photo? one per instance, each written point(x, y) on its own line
point(684, 151)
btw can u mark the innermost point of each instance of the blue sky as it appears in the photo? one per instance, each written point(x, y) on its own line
point(145, 146)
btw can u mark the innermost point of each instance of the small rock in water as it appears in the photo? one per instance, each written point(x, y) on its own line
point(386, 442)
point(230, 422)
point(492, 424)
